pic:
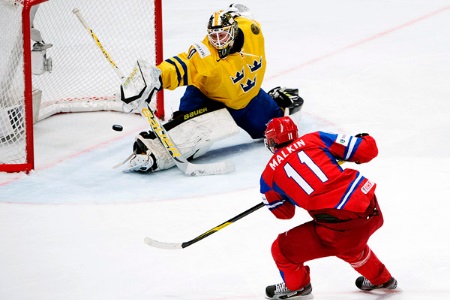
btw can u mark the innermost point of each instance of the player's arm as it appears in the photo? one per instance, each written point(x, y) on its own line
point(360, 148)
point(367, 149)
point(186, 68)
point(175, 72)
point(280, 207)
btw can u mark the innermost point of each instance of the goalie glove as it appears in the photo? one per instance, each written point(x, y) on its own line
point(287, 98)
point(141, 85)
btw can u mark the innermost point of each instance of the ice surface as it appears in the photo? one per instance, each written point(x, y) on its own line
point(74, 228)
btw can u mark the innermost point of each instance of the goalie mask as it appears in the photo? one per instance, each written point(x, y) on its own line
point(222, 31)
point(279, 133)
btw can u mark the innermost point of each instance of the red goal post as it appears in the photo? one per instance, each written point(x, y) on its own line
point(50, 64)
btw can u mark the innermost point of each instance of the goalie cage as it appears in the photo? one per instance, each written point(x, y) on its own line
point(49, 63)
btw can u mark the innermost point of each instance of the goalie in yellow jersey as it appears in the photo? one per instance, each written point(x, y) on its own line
point(225, 70)
point(227, 67)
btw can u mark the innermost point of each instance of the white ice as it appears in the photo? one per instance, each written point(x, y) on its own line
point(74, 227)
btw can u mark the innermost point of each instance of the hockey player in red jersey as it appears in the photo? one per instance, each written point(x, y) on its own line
point(304, 172)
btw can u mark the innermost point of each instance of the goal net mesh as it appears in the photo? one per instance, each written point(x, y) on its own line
point(69, 71)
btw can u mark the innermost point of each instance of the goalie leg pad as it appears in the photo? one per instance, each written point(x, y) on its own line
point(194, 133)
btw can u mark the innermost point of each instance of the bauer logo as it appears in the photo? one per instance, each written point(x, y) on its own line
point(195, 113)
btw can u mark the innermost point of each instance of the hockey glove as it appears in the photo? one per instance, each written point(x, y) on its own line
point(287, 98)
point(360, 135)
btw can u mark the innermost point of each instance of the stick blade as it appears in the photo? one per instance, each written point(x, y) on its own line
point(218, 168)
point(162, 245)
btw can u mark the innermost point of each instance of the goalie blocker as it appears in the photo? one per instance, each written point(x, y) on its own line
point(194, 133)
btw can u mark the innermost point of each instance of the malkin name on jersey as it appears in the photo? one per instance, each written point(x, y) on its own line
point(282, 154)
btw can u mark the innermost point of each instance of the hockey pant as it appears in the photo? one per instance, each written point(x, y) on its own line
point(313, 240)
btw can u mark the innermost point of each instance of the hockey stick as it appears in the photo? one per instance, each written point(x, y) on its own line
point(125, 81)
point(77, 12)
point(165, 245)
point(182, 245)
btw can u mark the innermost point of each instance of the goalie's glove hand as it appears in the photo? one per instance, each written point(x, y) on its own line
point(140, 86)
point(287, 97)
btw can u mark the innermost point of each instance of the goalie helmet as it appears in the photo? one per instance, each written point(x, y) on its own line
point(222, 31)
point(279, 133)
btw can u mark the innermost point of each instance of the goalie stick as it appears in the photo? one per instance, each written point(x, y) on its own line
point(119, 73)
point(173, 246)
point(144, 109)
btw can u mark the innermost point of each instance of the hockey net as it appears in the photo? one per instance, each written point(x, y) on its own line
point(49, 63)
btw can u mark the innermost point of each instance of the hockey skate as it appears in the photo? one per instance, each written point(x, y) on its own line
point(280, 291)
point(365, 285)
point(142, 162)
point(149, 154)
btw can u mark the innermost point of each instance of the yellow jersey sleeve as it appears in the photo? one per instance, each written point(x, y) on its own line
point(234, 80)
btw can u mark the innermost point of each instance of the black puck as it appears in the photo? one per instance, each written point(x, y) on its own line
point(117, 127)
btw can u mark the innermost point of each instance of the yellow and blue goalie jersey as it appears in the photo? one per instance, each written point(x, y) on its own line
point(234, 80)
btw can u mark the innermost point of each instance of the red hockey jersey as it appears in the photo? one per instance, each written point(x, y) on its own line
point(306, 174)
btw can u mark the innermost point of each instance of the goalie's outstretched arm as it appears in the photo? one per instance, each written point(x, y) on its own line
point(138, 95)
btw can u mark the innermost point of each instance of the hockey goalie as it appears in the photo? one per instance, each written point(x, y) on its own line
point(223, 75)
point(192, 132)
